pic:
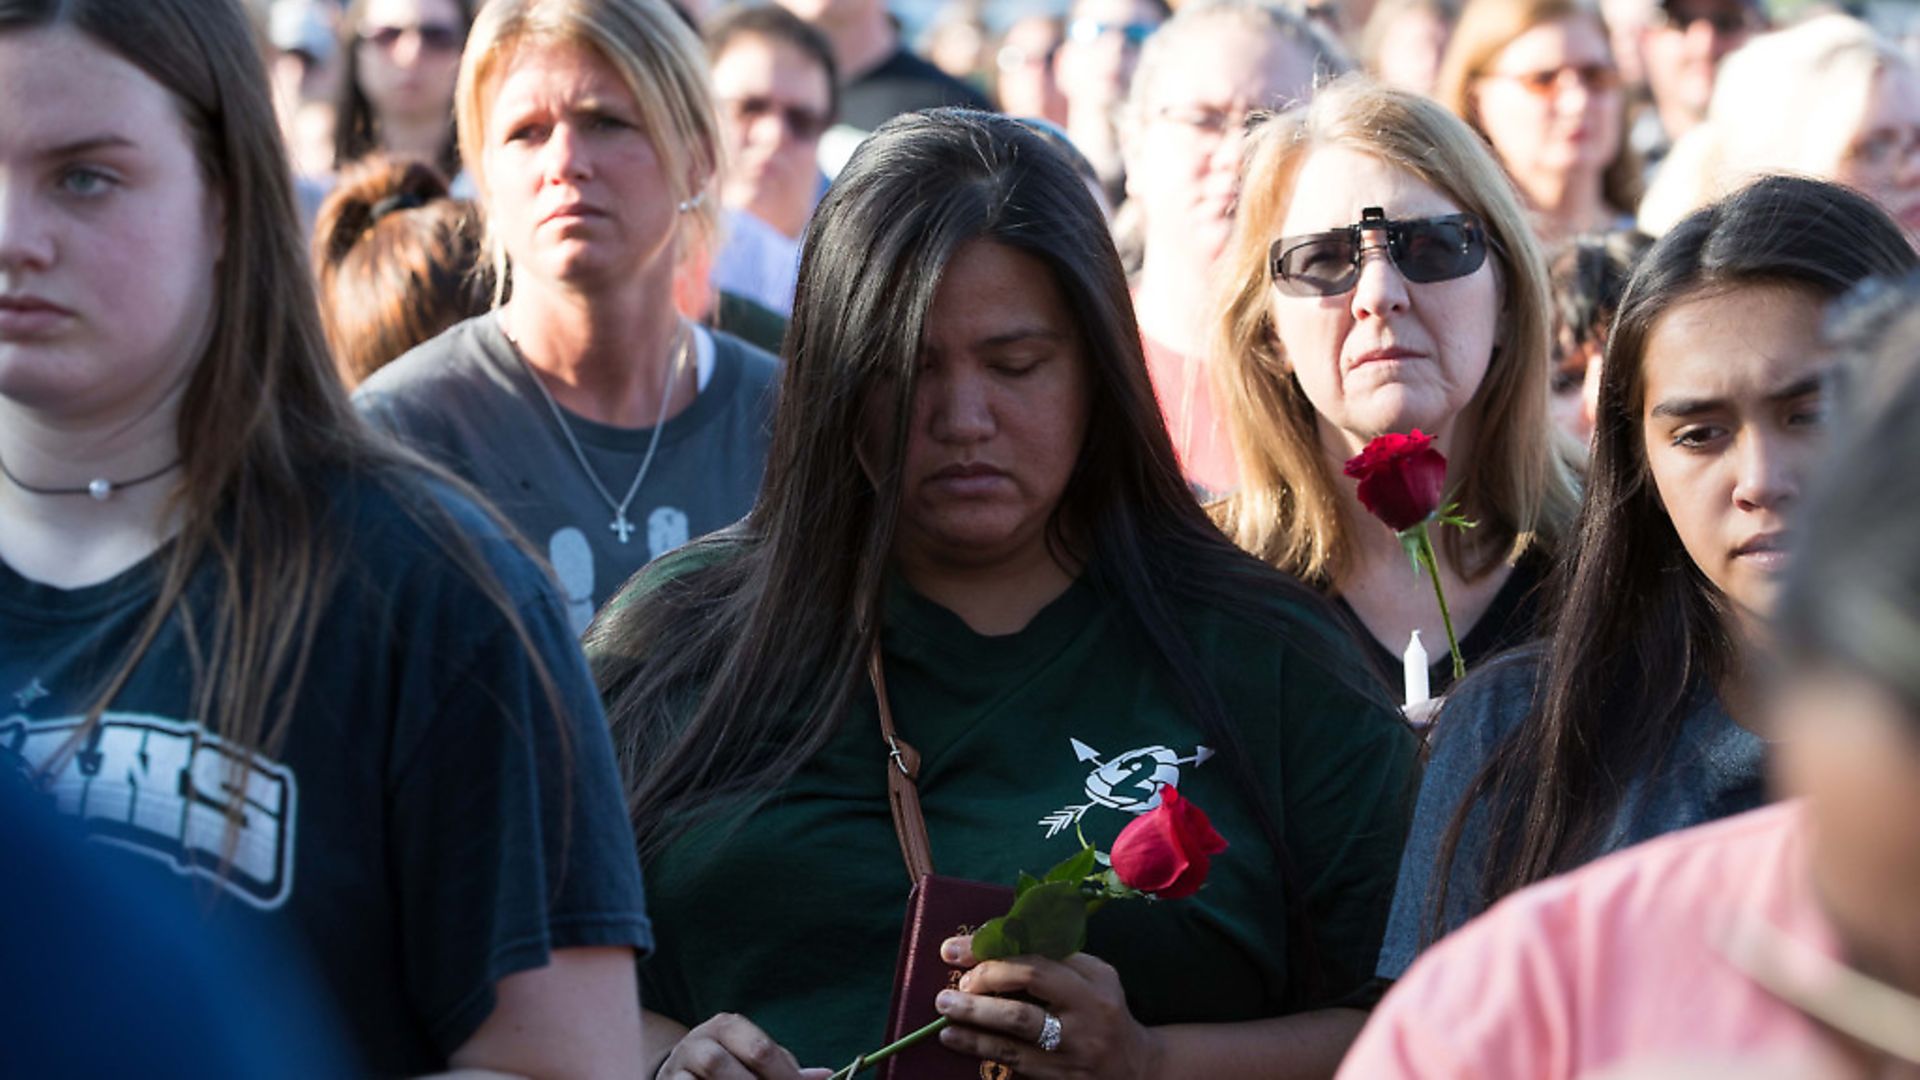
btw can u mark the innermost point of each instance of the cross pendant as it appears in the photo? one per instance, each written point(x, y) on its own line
point(621, 526)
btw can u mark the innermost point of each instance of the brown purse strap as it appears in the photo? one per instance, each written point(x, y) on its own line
point(904, 768)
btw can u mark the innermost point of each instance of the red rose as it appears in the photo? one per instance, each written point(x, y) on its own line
point(1401, 478)
point(1165, 852)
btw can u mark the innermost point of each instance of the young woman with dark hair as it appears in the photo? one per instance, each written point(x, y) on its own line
point(242, 638)
point(970, 473)
point(1636, 715)
point(399, 59)
point(1782, 942)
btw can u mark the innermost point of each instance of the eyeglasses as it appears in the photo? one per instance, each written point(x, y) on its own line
point(434, 37)
point(1594, 78)
point(1725, 22)
point(803, 123)
point(1884, 146)
point(1088, 31)
point(1012, 58)
point(1425, 250)
point(1207, 119)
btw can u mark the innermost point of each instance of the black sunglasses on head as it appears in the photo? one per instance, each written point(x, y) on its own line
point(1425, 250)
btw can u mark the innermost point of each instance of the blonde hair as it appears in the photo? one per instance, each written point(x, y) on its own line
point(1772, 111)
point(659, 58)
point(1288, 510)
point(1485, 29)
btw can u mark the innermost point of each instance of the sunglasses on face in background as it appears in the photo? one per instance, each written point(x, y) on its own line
point(1594, 78)
point(1087, 31)
point(1425, 250)
point(434, 37)
point(802, 123)
point(1726, 22)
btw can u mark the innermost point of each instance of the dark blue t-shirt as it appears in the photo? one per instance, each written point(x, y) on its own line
point(105, 975)
point(1715, 768)
point(430, 824)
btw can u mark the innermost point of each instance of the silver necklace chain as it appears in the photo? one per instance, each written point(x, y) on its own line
point(620, 526)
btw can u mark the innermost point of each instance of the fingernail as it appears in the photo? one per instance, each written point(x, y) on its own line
point(947, 1000)
point(950, 951)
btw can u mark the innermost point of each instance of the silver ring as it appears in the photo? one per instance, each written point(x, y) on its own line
point(1049, 1039)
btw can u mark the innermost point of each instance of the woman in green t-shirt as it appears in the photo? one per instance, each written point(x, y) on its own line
point(969, 468)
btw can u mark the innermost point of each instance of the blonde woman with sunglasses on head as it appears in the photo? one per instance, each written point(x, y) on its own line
point(1381, 277)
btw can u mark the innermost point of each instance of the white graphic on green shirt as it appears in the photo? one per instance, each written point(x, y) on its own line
point(164, 788)
point(1130, 782)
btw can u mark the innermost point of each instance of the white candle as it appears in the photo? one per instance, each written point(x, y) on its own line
point(1415, 664)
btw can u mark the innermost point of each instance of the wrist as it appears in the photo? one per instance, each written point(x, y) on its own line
point(1153, 1054)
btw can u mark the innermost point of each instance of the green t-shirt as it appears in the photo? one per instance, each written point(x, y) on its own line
point(792, 918)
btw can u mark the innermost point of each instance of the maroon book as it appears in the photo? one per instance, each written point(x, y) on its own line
point(937, 909)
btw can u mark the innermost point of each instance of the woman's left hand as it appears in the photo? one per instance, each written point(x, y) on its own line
point(1098, 1037)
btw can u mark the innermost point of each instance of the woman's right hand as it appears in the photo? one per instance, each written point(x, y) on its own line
point(730, 1047)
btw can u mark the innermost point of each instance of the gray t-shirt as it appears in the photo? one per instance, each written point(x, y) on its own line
point(468, 401)
point(1715, 768)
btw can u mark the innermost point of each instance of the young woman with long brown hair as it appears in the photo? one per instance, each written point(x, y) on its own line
point(1635, 717)
point(243, 638)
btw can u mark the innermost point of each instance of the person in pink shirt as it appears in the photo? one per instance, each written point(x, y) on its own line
point(1781, 942)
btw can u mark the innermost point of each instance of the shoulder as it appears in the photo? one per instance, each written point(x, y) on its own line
point(406, 530)
point(1688, 878)
point(467, 356)
point(1280, 651)
point(1494, 699)
point(906, 67)
point(1516, 986)
point(758, 367)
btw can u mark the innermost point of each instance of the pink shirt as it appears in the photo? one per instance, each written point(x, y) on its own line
point(1200, 438)
point(1622, 963)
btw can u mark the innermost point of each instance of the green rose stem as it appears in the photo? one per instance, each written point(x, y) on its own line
point(868, 1061)
point(1421, 543)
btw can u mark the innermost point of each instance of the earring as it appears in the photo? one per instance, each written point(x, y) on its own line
point(688, 204)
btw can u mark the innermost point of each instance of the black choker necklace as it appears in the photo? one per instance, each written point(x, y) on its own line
point(100, 488)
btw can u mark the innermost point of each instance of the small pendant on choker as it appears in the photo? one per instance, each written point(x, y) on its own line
point(100, 489)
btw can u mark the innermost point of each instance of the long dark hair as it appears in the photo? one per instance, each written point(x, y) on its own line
point(356, 130)
point(1640, 630)
point(766, 646)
